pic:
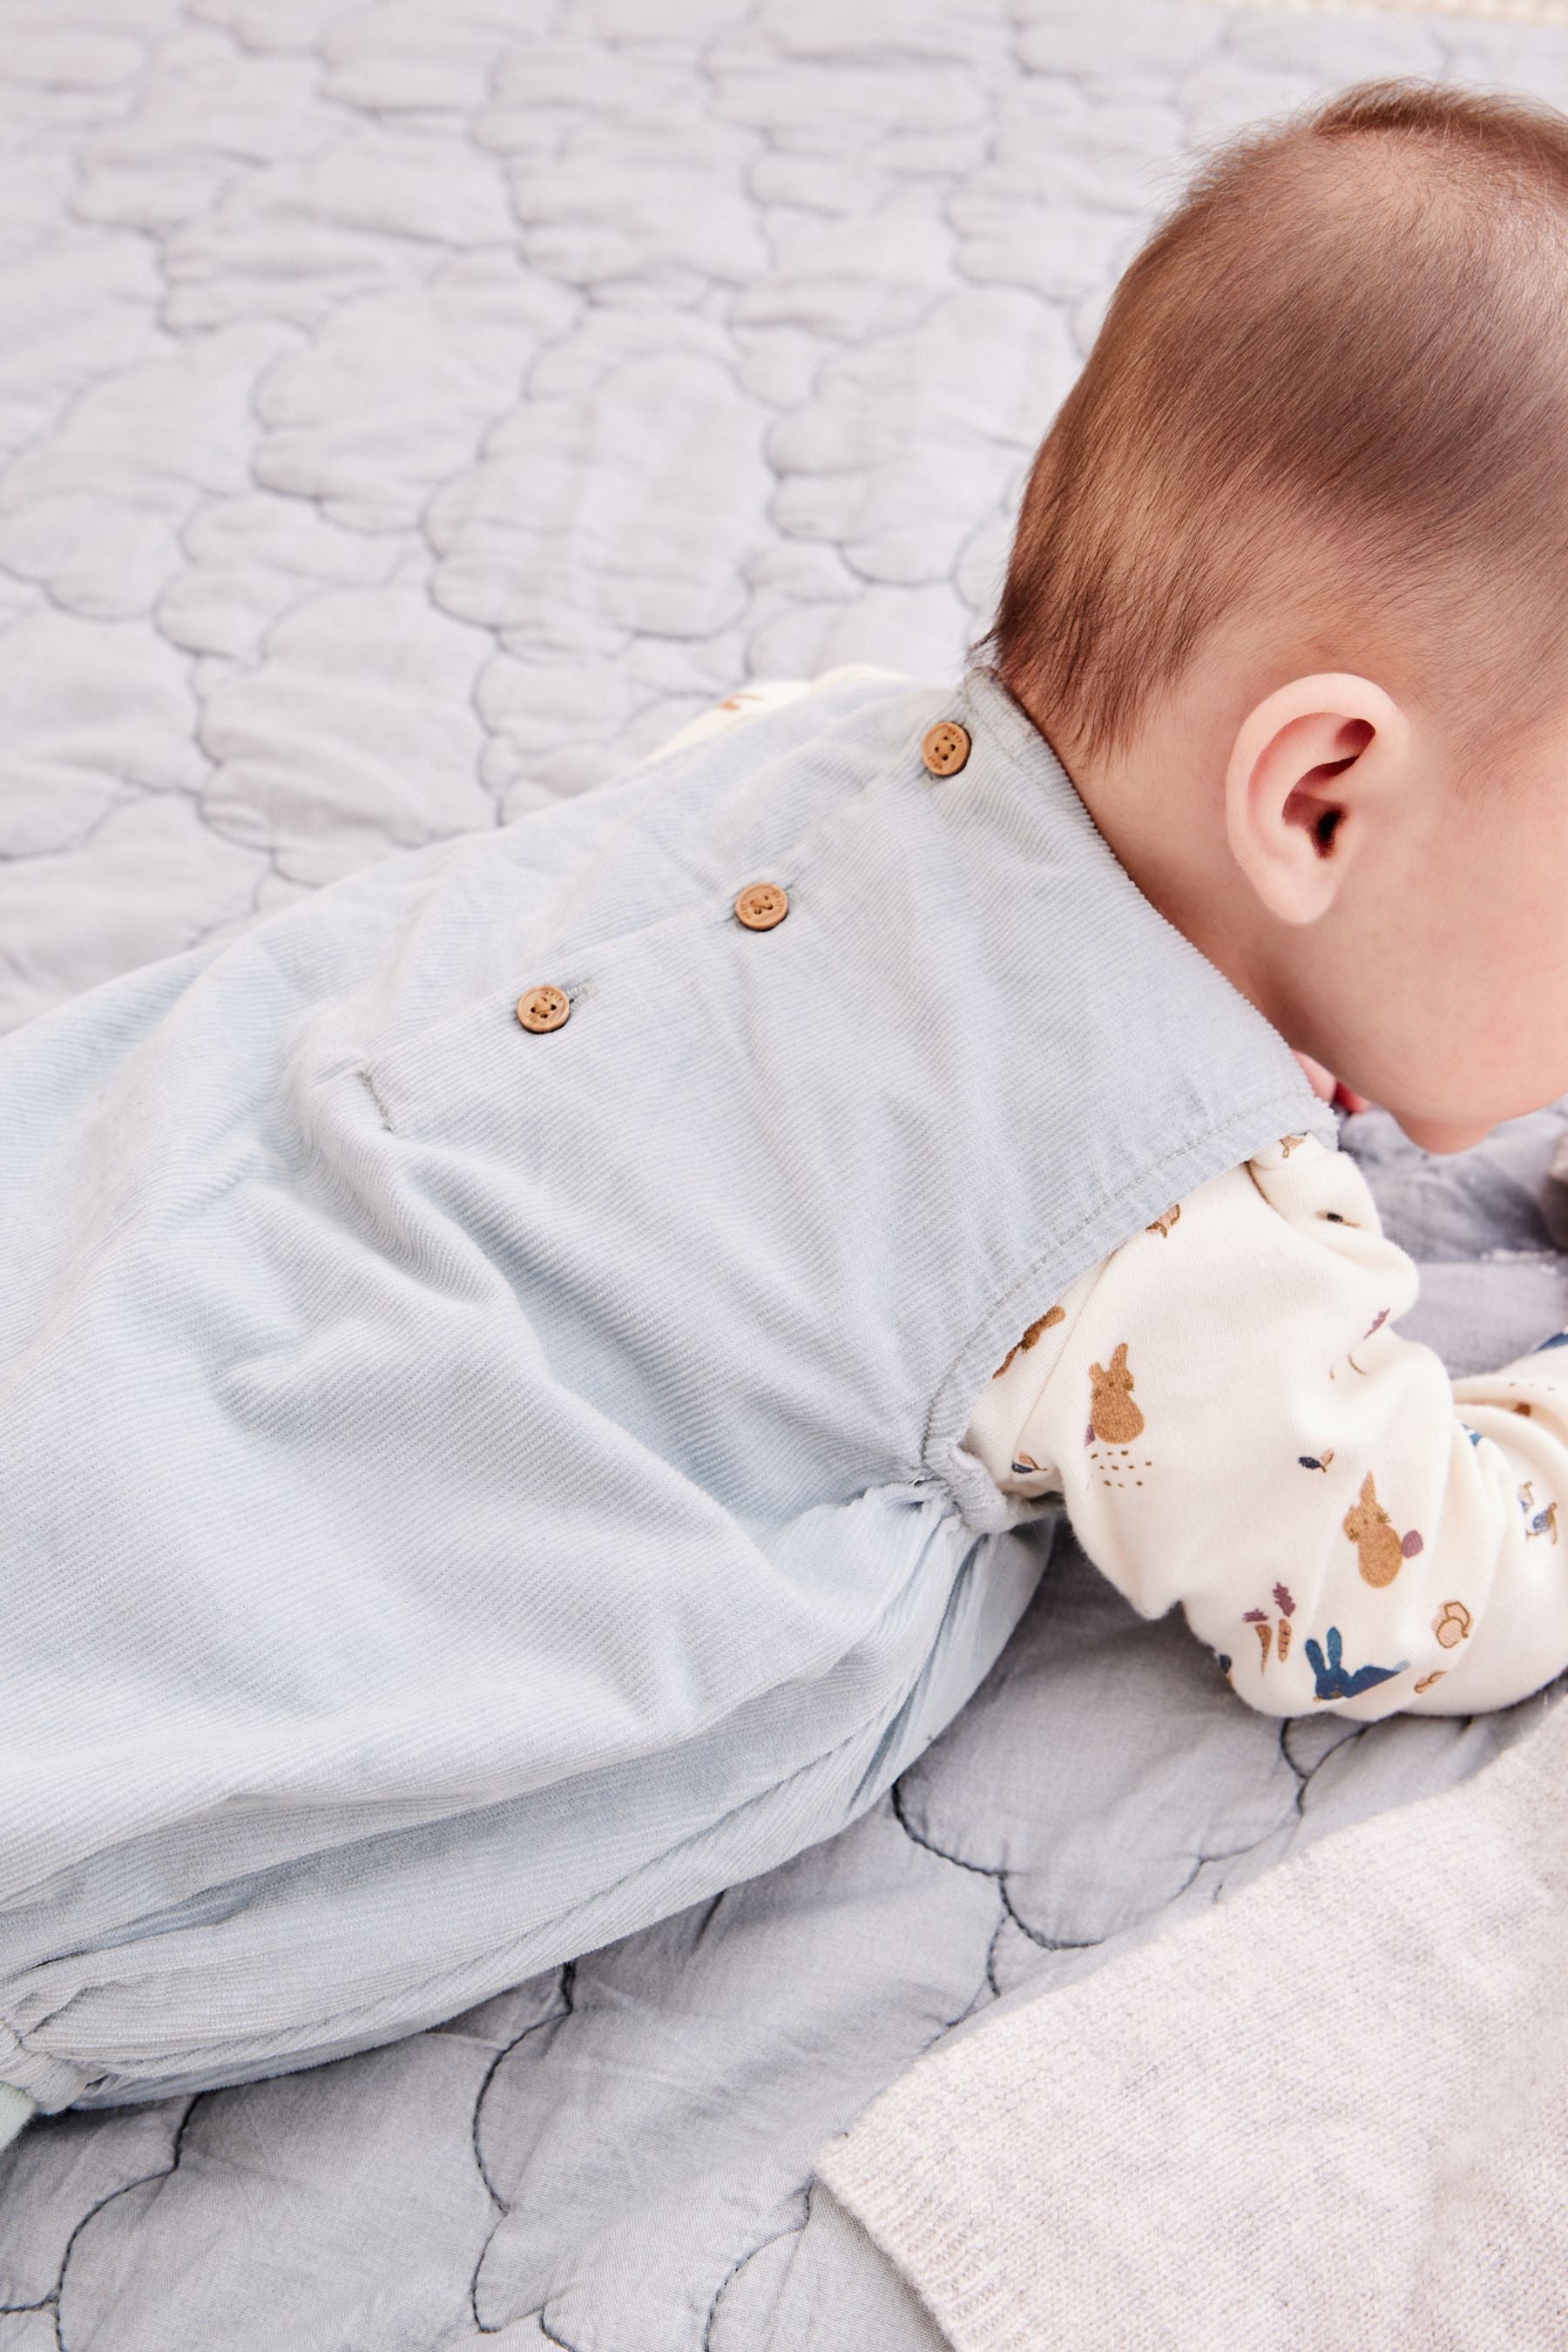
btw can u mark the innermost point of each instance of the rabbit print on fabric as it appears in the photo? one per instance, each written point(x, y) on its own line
point(1381, 1549)
point(1334, 1679)
point(1113, 1416)
point(1116, 1423)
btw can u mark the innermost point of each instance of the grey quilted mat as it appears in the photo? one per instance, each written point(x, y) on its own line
point(411, 411)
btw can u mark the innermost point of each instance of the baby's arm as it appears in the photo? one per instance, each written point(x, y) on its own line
point(1235, 1424)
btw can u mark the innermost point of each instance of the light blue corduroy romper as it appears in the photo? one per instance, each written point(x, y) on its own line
point(467, 1493)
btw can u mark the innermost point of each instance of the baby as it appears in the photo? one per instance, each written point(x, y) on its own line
point(527, 1378)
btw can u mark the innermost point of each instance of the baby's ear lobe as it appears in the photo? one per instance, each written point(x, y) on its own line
point(1308, 763)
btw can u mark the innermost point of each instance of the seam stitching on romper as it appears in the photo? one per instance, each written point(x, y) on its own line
point(361, 1072)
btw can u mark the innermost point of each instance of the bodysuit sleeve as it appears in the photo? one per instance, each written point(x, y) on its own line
point(1236, 1425)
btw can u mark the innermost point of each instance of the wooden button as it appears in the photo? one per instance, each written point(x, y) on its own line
point(761, 905)
point(543, 1008)
point(946, 747)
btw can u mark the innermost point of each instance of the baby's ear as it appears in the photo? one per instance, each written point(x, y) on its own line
point(1312, 766)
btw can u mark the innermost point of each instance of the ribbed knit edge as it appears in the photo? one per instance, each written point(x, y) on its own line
point(895, 2184)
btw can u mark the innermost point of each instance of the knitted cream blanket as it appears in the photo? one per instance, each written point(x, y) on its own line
point(1331, 2113)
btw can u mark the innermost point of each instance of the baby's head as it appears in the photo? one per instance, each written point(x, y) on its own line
point(1289, 591)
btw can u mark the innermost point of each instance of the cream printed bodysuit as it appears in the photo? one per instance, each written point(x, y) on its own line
point(1234, 1425)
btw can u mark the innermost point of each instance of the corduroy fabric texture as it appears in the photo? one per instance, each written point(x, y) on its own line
point(467, 1493)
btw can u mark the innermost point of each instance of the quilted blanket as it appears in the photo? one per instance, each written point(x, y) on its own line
point(413, 410)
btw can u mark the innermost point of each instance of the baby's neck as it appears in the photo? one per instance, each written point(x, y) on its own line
point(1160, 806)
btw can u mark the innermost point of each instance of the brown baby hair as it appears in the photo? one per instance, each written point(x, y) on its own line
point(1333, 384)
